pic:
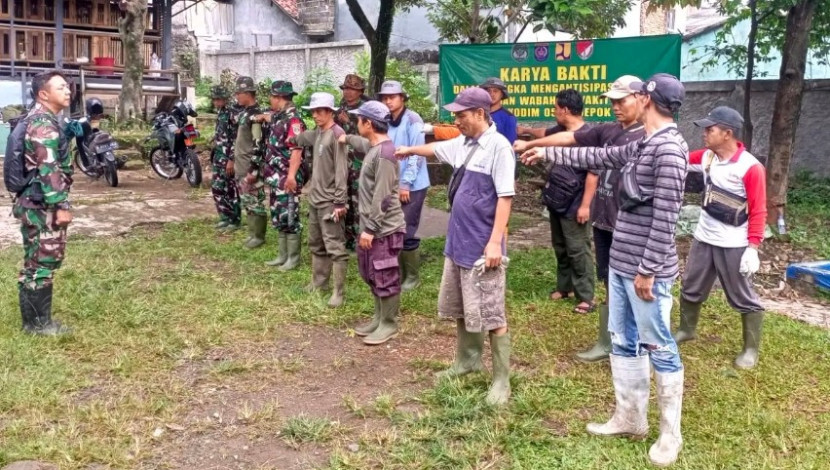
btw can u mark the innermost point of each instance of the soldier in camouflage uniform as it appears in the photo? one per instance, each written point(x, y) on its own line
point(284, 123)
point(43, 206)
point(353, 87)
point(223, 187)
point(247, 158)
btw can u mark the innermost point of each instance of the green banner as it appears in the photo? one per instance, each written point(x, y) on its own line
point(535, 72)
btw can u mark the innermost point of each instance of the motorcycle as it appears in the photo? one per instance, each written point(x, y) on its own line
point(175, 153)
point(94, 148)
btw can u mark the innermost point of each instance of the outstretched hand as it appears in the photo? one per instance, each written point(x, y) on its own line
point(533, 155)
point(402, 152)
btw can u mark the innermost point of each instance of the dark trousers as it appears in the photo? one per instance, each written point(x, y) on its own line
point(572, 246)
point(378, 265)
point(706, 262)
point(602, 247)
point(412, 215)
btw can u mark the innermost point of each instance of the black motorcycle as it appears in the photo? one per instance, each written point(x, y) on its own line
point(94, 148)
point(175, 153)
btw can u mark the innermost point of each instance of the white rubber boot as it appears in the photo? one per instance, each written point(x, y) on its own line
point(670, 400)
point(631, 388)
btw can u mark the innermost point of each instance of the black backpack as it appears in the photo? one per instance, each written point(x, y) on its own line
point(15, 175)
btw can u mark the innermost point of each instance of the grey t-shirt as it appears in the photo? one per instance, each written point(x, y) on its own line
point(378, 198)
point(329, 168)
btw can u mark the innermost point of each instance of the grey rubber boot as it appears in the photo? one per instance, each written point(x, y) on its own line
point(258, 223)
point(499, 391)
point(689, 316)
point(367, 328)
point(388, 326)
point(339, 292)
point(410, 267)
point(469, 347)
point(601, 350)
point(38, 306)
point(282, 251)
point(670, 401)
point(320, 273)
point(293, 258)
point(631, 376)
point(752, 324)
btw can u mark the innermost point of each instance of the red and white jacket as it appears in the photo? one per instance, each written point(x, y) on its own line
point(742, 175)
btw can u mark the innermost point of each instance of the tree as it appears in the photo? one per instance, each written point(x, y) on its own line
point(131, 28)
point(378, 36)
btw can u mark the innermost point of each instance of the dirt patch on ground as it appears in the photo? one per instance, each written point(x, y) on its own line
point(246, 395)
point(140, 198)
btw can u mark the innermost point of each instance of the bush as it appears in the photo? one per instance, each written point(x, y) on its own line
point(413, 81)
point(320, 79)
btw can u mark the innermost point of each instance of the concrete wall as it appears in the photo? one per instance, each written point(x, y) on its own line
point(286, 62)
point(811, 149)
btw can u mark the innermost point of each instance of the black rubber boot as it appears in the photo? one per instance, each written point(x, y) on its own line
point(40, 303)
point(752, 324)
point(689, 315)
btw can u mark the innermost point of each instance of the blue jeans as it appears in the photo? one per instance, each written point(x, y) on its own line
point(641, 327)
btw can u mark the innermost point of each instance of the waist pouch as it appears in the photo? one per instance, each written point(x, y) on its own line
point(631, 195)
point(724, 206)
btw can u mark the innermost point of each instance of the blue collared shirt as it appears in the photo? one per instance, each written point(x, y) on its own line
point(506, 124)
point(409, 133)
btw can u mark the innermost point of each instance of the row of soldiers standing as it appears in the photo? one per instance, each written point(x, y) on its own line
point(256, 149)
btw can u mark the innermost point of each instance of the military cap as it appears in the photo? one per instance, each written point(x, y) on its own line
point(245, 85)
point(353, 82)
point(282, 88)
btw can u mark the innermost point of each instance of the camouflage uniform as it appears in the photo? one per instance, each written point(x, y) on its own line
point(252, 196)
point(46, 151)
point(349, 124)
point(247, 162)
point(284, 125)
point(223, 186)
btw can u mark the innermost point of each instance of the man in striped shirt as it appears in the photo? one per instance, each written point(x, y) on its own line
point(643, 264)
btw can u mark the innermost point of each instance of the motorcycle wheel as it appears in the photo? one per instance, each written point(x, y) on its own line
point(194, 168)
point(111, 173)
point(85, 169)
point(164, 165)
point(120, 161)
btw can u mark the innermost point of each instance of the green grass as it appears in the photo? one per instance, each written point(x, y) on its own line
point(144, 305)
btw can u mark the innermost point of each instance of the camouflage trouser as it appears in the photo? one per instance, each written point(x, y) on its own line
point(352, 214)
point(44, 244)
point(225, 194)
point(252, 196)
point(284, 217)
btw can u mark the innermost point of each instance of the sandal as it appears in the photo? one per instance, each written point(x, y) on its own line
point(584, 308)
point(557, 295)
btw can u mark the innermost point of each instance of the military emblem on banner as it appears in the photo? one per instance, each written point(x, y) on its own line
point(584, 49)
point(563, 51)
point(541, 52)
point(519, 52)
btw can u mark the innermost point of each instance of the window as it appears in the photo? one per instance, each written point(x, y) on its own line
point(49, 10)
point(68, 46)
point(20, 41)
point(18, 8)
point(6, 45)
point(670, 20)
point(4, 7)
point(101, 13)
point(35, 46)
point(49, 46)
point(84, 47)
point(34, 7)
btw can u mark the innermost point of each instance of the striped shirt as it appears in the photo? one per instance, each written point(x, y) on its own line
point(644, 236)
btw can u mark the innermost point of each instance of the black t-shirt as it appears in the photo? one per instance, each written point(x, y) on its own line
point(565, 185)
point(604, 206)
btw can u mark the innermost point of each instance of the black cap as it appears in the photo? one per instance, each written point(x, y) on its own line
point(722, 116)
point(664, 89)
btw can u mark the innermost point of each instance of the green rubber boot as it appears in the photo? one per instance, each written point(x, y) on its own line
point(367, 328)
point(602, 349)
point(231, 227)
point(338, 294)
point(293, 258)
point(500, 389)
point(388, 326)
point(469, 347)
point(410, 262)
point(752, 324)
point(320, 273)
point(282, 251)
point(689, 315)
point(257, 223)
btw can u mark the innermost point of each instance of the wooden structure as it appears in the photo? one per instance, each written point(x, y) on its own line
point(68, 34)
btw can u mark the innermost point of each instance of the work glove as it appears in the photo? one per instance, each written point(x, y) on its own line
point(750, 263)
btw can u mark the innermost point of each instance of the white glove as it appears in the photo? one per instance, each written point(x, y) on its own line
point(750, 263)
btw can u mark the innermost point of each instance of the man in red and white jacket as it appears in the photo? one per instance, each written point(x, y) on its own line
point(726, 241)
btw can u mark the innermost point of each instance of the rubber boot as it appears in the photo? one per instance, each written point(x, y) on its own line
point(689, 315)
point(320, 273)
point(221, 224)
point(631, 376)
point(410, 266)
point(258, 223)
point(39, 305)
point(338, 294)
point(469, 347)
point(752, 323)
point(27, 312)
point(367, 328)
point(499, 391)
point(293, 258)
point(670, 401)
point(388, 326)
point(282, 251)
point(232, 227)
point(602, 349)
point(250, 224)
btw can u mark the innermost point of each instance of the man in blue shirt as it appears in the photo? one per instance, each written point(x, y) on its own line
point(406, 130)
point(506, 122)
